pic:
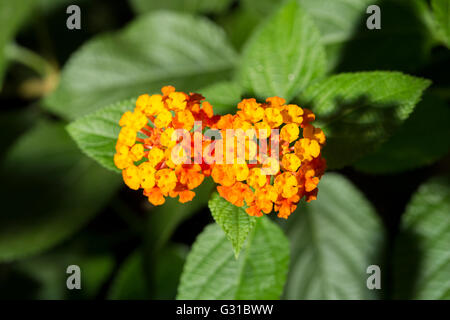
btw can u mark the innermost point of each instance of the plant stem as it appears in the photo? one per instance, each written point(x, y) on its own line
point(29, 58)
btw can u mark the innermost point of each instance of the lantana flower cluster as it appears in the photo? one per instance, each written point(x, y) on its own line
point(266, 157)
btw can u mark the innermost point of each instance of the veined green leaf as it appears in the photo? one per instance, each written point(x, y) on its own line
point(96, 134)
point(358, 111)
point(234, 221)
point(333, 241)
point(422, 255)
point(157, 49)
point(283, 55)
point(212, 272)
point(52, 191)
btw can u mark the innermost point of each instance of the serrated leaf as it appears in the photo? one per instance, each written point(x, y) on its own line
point(421, 140)
point(223, 96)
point(358, 111)
point(200, 6)
point(157, 49)
point(96, 134)
point(233, 220)
point(441, 12)
point(212, 272)
point(422, 255)
point(52, 191)
point(333, 241)
point(283, 55)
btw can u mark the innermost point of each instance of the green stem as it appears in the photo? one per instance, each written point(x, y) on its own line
point(28, 58)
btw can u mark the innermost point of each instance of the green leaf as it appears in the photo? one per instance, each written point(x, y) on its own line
point(422, 255)
point(12, 15)
point(441, 12)
point(96, 134)
point(333, 241)
point(223, 96)
point(212, 272)
point(157, 49)
point(283, 55)
point(52, 191)
point(234, 221)
point(358, 111)
point(200, 6)
point(421, 140)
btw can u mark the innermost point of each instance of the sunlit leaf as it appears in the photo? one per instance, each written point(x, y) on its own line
point(96, 134)
point(283, 55)
point(212, 272)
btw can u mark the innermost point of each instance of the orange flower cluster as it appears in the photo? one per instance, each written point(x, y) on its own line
point(145, 149)
point(274, 176)
point(263, 177)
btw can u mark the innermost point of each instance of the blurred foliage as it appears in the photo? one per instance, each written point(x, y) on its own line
point(185, 51)
point(62, 208)
point(331, 239)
